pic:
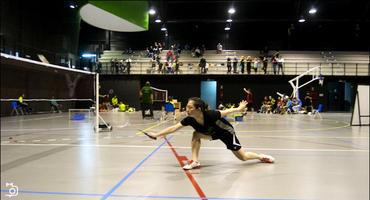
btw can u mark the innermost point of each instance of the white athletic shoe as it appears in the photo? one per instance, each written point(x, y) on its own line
point(191, 165)
point(267, 159)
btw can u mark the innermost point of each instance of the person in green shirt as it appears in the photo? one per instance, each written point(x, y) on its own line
point(146, 99)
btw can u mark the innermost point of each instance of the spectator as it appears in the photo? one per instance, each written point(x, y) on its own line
point(54, 105)
point(128, 65)
point(177, 66)
point(99, 67)
point(169, 56)
point(112, 65)
point(264, 61)
point(228, 65)
point(256, 64)
point(280, 63)
point(219, 48)
point(24, 106)
point(249, 64)
point(235, 65)
point(308, 104)
point(274, 61)
point(202, 65)
point(146, 99)
point(197, 52)
point(203, 50)
point(249, 99)
point(297, 105)
point(242, 64)
point(153, 63)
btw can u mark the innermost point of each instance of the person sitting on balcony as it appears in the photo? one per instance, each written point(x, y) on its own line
point(219, 48)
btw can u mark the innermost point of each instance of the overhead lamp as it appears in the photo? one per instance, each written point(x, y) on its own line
point(163, 28)
point(229, 20)
point(158, 20)
point(88, 55)
point(301, 19)
point(231, 11)
point(228, 27)
point(72, 5)
point(152, 11)
point(312, 11)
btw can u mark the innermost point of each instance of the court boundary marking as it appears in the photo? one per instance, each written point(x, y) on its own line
point(115, 187)
point(188, 173)
point(140, 196)
point(186, 147)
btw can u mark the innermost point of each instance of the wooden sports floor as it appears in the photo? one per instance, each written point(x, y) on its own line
point(48, 156)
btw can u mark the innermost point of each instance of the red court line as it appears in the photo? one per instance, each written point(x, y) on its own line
point(187, 172)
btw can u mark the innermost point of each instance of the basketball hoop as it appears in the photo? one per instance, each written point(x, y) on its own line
point(321, 80)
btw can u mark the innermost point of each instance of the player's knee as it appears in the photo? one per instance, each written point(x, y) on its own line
point(196, 136)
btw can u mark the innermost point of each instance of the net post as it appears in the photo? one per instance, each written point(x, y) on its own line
point(97, 102)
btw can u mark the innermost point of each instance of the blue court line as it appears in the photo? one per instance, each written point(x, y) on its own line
point(52, 193)
point(139, 196)
point(109, 193)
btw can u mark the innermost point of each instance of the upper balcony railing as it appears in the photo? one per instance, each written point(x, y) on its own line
point(295, 63)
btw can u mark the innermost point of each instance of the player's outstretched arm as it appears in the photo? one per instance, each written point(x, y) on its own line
point(164, 132)
point(240, 108)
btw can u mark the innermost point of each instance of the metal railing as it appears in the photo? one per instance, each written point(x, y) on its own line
point(219, 68)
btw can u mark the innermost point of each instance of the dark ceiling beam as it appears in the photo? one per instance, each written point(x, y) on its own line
point(178, 21)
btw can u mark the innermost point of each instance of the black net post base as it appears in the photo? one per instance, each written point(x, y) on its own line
point(104, 128)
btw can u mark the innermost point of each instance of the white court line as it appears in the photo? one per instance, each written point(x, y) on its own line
point(34, 119)
point(123, 125)
point(302, 136)
point(38, 129)
point(181, 147)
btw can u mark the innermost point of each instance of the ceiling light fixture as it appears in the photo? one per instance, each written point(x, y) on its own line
point(301, 19)
point(229, 20)
point(312, 11)
point(231, 11)
point(158, 20)
point(163, 28)
point(152, 11)
point(228, 27)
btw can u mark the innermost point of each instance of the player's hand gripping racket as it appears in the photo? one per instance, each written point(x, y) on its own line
point(147, 134)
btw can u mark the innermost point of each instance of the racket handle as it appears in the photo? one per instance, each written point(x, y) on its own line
point(151, 137)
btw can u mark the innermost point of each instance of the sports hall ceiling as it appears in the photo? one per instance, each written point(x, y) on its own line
point(262, 10)
point(336, 21)
point(338, 24)
point(264, 15)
